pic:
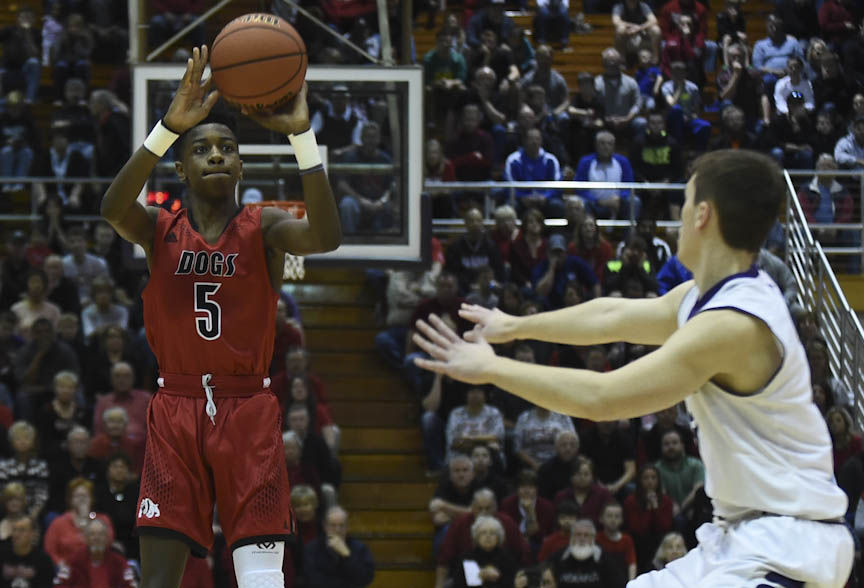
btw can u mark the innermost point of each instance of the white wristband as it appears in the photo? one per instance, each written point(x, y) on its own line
point(306, 149)
point(160, 139)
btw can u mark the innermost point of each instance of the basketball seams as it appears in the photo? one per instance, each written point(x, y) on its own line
point(302, 67)
point(246, 79)
point(258, 60)
point(220, 37)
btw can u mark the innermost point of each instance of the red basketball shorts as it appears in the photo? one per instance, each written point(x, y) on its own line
point(236, 464)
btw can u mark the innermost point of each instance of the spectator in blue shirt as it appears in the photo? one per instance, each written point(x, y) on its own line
point(682, 97)
point(671, 274)
point(552, 275)
point(531, 163)
point(607, 166)
point(771, 54)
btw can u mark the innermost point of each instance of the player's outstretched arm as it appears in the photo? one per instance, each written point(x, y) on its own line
point(646, 321)
point(320, 231)
point(724, 345)
point(190, 105)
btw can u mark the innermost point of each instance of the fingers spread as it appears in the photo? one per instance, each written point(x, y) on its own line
point(429, 347)
point(432, 366)
point(442, 328)
point(432, 333)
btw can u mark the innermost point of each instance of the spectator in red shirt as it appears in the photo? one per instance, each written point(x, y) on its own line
point(289, 334)
point(534, 515)
point(134, 401)
point(471, 151)
point(96, 566)
point(505, 231)
point(614, 541)
point(836, 21)
point(440, 169)
point(591, 246)
point(116, 438)
point(296, 362)
point(566, 514)
point(529, 248)
point(458, 542)
point(670, 16)
point(648, 514)
point(299, 473)
point(66, 535)
point(305, 503)
point(584, 490)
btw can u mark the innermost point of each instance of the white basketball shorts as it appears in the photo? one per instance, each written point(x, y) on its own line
point(763, 552)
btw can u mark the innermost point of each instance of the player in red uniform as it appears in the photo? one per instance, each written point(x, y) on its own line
point(214, 427)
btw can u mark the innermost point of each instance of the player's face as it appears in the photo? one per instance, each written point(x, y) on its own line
point(211, 164)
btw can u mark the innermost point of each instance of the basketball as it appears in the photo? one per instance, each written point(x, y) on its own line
point(258, 60)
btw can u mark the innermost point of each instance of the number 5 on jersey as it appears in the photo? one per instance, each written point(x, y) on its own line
point(209, 326)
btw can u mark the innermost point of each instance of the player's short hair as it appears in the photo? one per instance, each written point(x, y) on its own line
point(747, 189)
point(219, 115)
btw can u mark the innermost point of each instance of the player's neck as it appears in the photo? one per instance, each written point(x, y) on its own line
point(211, 216)
point(719, 262)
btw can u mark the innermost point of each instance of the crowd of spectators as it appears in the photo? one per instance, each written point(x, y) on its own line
point(525, 495)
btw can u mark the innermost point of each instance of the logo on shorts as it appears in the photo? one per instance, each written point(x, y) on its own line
point(148, 509)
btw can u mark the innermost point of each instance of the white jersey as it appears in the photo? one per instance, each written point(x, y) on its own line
point(770, 451)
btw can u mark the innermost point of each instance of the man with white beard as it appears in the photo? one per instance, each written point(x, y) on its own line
point(583, 564)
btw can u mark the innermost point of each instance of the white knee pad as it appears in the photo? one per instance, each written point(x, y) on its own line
point(259, 565)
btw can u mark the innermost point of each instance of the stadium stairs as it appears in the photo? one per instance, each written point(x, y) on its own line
point(384, 487)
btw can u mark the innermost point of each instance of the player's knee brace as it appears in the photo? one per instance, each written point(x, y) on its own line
point(259, 565)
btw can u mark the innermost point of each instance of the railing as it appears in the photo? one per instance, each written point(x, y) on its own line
point(819, 292)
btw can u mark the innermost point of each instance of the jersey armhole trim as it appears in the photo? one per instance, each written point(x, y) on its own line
point(776, 340)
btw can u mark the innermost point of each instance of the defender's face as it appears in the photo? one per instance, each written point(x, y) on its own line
point(210, 161)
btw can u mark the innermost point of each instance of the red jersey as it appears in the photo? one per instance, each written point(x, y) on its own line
point(210, 309)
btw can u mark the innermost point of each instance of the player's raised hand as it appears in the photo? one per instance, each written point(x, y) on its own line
point(490, 324)
point(451, 355)
point(290, 118)
point(194, 99)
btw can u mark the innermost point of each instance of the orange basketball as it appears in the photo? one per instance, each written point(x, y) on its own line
point(258, 60)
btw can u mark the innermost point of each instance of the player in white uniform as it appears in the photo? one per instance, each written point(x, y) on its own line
point(728, 346)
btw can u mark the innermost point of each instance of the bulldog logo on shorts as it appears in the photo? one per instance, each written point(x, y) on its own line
point(148, 509)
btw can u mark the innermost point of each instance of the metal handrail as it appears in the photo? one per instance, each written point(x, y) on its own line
point(819, 291)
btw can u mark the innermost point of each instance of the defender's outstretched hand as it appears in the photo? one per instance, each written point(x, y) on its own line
point(193, 100)
point(290, 118)
point(461, 360)
point(490, 324)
